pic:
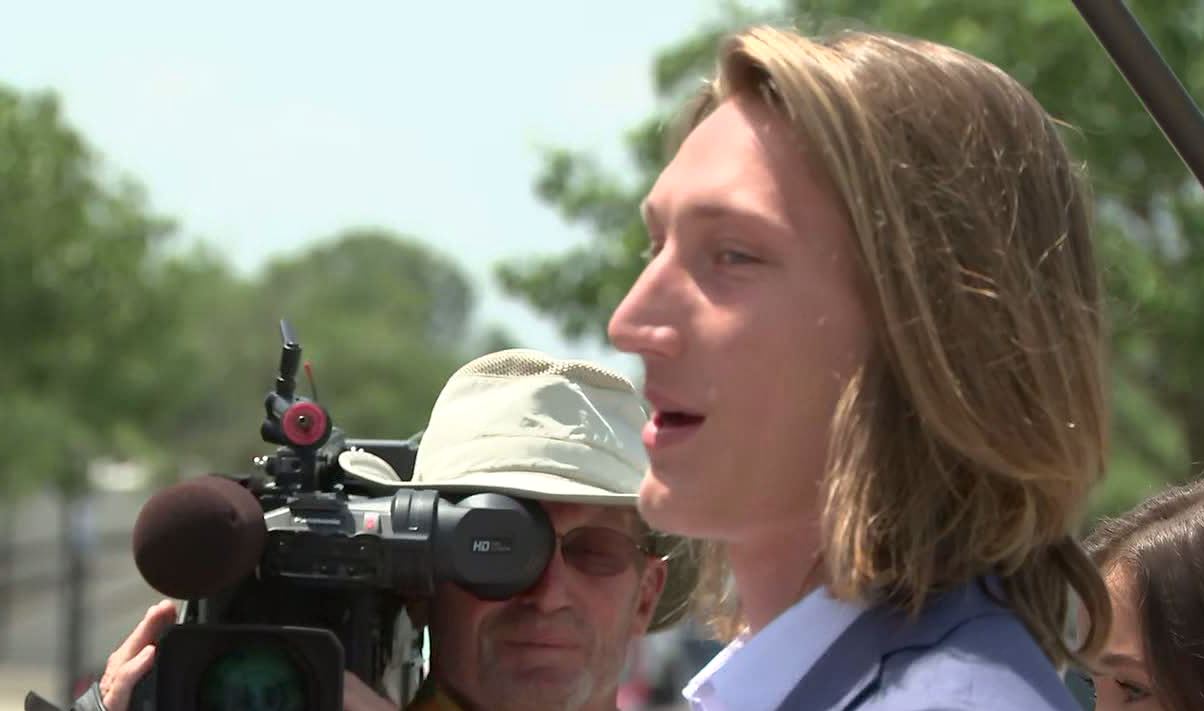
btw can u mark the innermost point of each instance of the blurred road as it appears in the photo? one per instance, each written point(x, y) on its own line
point(115, 598)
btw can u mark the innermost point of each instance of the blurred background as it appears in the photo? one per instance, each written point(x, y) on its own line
point(411, 185)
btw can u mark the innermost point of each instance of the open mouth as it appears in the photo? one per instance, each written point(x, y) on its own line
point(665, 420)
point(670, 427)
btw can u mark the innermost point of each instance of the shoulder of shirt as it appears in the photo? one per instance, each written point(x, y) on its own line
point(988, 663)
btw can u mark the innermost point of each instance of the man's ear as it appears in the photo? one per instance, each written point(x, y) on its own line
point(652, 584)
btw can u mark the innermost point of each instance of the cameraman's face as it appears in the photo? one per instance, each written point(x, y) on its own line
point(560, 645)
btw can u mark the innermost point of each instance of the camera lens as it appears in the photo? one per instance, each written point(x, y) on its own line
point(255, 678)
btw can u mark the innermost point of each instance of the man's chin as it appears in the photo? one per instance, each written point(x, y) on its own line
point(544, 687)
point(546, 676)
point(669, 506)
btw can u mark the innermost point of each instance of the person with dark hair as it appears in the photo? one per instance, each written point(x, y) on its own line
point(1152, 559)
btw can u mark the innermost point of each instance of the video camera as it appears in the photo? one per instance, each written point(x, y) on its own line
point(280, 600)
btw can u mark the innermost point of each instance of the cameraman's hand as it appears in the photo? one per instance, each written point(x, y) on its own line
point(134, 657)
point(358, 696)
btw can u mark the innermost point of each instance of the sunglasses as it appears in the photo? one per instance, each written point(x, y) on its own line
point(600, 552)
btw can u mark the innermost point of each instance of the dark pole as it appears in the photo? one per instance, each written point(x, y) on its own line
point(1148, 74)
point(7, 570)
point(73, 525)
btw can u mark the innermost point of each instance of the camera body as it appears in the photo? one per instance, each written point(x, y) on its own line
point(342, 555)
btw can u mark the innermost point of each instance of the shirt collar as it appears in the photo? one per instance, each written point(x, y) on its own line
point(757, 672)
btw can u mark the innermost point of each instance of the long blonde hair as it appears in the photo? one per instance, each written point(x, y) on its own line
point(967, 444)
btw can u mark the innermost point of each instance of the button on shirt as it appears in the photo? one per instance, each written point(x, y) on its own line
point(756, 673)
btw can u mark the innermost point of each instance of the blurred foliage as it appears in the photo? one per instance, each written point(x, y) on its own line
point(117, 346)
point(1150, 211)
point(381, 318)
point(82, 327)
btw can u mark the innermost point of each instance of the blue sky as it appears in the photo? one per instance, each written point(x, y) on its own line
point(263, 126)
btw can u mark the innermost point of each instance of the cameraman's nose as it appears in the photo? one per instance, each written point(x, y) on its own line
point(551, 591)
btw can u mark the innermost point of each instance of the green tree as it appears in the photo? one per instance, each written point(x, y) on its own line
point(1150, 212)
point(383, 320)
point(115, 346)
point(81, 327)
point(221, 361)
point(82, 330)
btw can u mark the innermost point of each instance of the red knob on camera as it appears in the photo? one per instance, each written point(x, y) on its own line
point(305, 424)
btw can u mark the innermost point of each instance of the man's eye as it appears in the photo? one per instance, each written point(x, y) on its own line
point(1133, 693)
point(734, 257)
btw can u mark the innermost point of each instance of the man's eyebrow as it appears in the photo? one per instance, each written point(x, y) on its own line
point(702, 210)
point(1120, 660)
point(711, 210)
point(613, 517)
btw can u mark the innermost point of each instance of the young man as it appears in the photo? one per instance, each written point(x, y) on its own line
point(871, 327)
point(567, 434)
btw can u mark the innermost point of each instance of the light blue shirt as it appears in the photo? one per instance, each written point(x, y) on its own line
point(756, 673)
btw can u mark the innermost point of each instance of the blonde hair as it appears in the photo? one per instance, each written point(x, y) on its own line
point(967, 444)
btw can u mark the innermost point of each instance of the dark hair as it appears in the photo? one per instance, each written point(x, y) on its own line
point(1161, 544)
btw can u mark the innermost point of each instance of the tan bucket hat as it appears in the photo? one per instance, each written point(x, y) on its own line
point(518, 422)
point(522, 423)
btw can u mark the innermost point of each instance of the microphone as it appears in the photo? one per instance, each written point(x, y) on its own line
point(198, 537)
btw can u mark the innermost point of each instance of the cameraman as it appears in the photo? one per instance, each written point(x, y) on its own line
point(562, 432)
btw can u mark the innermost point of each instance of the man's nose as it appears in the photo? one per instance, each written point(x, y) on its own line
point(645, 322)
point(551, 591)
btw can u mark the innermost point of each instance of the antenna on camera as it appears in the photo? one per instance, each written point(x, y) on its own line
point(290, 358)
point(313, 383)
point(300, 425)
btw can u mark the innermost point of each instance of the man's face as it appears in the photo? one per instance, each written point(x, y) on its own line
point(749, 323)
point(560, 645)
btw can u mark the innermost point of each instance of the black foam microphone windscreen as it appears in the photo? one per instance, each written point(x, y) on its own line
point(198, 537)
